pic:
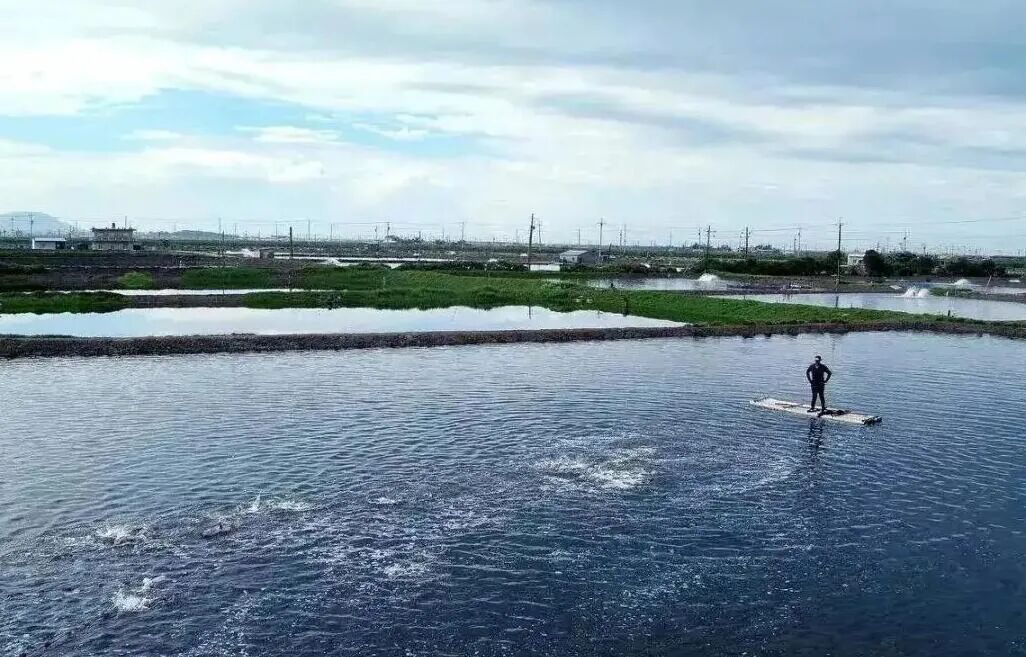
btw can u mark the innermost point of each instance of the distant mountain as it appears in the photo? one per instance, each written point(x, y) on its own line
point(38, 223)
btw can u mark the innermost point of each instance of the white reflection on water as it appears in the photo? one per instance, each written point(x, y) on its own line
point(135, 322)
point(958, 307)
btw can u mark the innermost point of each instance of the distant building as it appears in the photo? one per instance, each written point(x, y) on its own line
point(855, 259)
point(580, 257)
point(49, 243)
point(113, 239)
point(266, 253)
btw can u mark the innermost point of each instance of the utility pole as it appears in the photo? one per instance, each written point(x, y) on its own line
point(799, 241)
point(708, 244)
point(530, 243)
point(837, 282)
point(292, 251)
point(578, 237)
point(748, 234)
point(539, 233)
point(463, 231)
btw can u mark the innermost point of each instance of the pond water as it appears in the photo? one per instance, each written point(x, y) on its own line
point(706, 282)
point(584, 499)
point(970, 308)
point(166, 292)
point(135, 322)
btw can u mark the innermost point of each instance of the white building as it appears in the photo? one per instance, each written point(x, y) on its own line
point(49, 243)
point(855, 259)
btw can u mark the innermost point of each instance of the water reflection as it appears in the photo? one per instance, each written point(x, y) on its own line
point(985, 309)
point(137, 322)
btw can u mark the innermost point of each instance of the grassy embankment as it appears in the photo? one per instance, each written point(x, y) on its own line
point(397, 289)
point(413, 289)
point(55, 302)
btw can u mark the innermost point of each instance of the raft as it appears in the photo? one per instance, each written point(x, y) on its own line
point(837, 414)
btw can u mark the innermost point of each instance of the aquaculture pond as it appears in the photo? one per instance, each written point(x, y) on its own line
point(135, 322)
point(664, 283)
point(938, 305)
point(582, 499)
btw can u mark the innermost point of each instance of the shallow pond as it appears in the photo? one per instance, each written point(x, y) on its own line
point(135, 322)
point(583, 499)
point(958, 307)
point(167, 292)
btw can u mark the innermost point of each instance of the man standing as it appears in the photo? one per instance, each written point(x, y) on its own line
point(818, 374)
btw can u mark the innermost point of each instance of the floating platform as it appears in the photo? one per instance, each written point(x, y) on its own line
point(840, 415)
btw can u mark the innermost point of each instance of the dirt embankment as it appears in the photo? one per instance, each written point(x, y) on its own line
point(50, 346)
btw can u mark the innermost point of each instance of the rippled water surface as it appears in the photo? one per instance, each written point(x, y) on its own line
point(583, 499)
point(937, 305)
point(135, 322)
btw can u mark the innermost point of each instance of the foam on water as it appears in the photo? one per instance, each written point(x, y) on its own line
point(622, 471)
point(121, 534)
point(138, 599)
point(709, 278)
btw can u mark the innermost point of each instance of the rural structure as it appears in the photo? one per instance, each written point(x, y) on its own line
point(113, 239)
point(580, 257)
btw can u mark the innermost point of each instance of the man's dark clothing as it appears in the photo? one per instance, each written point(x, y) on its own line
point(818, 374)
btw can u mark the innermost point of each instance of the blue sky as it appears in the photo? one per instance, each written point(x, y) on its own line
point(660, 116)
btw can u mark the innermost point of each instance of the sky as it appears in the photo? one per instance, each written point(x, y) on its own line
point(467, 116)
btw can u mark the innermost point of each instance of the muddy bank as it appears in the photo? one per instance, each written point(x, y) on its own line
point(50, 346)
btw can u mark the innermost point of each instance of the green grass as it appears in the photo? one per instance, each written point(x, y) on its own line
point(51, 302)
point(136, 280)
point(227, 277)
point(397, 289)
point(417, 289)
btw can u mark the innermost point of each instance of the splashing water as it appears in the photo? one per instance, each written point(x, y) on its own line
point(709, 278)
point(916, 293)
point(962, 282)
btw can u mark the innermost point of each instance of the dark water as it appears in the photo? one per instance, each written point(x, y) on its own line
point(137, 322)
point(585, 499)
point(1002, 311)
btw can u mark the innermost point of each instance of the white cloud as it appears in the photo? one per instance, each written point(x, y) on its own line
point(154, 135)
point(403, 133)
point(286, 134)
point(556, 123)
